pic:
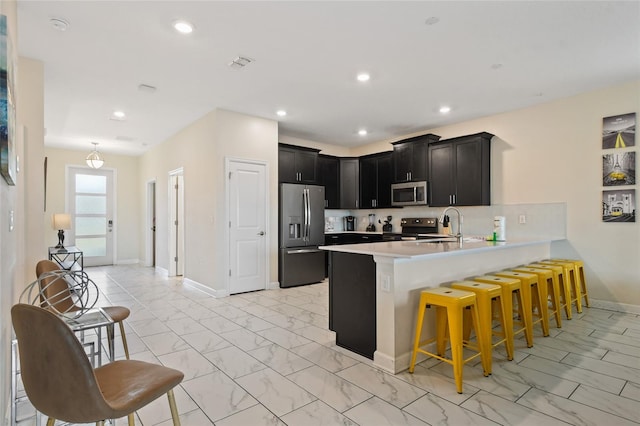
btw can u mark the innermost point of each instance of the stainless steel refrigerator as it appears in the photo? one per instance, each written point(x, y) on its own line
point(301, 232)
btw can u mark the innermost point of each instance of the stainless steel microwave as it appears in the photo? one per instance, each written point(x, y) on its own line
point(409, 194)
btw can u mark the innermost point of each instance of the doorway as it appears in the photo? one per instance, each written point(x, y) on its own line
point(176, 223)
point(90, 202)
point(150, 254)
point(247, 196)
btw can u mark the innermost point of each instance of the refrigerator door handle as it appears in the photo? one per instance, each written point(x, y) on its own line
point(305, 201)
point(303, 251)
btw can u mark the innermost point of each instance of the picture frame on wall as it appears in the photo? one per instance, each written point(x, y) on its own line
point(619, 168)
point(619, 205)
point(619, 131)
point(8, 155)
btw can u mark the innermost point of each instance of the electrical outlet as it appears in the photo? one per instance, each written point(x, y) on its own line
point(386, 283)
point(522, 219)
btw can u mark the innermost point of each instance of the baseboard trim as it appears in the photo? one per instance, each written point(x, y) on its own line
point(615, 306)
point(205, 289)
point(273, 285)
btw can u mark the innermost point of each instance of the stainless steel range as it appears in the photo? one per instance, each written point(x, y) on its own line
point(419, 228)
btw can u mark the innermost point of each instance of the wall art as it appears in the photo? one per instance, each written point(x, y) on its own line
point(619, 168)
point(619, 131)
point(619, 205)
point(8, 160)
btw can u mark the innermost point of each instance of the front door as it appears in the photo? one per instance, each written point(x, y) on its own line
point(247, 190)
point(90, 204)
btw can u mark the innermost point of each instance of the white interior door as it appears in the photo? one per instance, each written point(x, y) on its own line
point(248, 259)
point(90, 195)
point(176, 223)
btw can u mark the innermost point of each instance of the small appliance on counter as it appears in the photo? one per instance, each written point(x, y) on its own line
point(372, 223)
point(349, 223)
point(387, 226)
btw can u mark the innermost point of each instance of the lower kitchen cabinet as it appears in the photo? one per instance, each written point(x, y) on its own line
point(352, 301)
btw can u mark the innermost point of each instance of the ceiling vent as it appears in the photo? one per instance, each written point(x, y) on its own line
point(240, 62)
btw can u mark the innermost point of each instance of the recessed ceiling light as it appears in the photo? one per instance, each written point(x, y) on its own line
point(59, 24)
point(445, 109)
point(432, 20)
point(118, 115)
point(281, 113)
point(363, 76)
point(183, 27)
point(362, 132)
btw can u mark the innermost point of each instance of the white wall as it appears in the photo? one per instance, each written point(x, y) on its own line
point(127, 244)
point(201, 149)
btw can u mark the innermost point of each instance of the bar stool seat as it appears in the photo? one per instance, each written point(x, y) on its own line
point(488, 296)
point(511, 287)
point(579, 271)
point(538, 296)
point(533, 294)
point(449, 304)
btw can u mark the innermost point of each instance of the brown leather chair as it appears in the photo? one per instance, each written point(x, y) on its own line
point(54, 291)
point(60, 382)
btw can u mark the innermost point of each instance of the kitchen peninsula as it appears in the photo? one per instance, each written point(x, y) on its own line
point(374, 288)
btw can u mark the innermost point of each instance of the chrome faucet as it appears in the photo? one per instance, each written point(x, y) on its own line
point(441, 220)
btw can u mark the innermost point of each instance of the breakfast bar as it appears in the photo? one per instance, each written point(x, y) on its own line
point(374, 288)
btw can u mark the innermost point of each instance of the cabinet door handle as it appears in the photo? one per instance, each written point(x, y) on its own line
point(455, 201)
point(356, 204)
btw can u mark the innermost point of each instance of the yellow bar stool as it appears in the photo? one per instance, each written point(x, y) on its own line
point(571, 279)
point(552, 289)
point(450, 304)
point(559, 281)
point(511, 287)
point(579, 271)
point(488, 298)
point(539, 296)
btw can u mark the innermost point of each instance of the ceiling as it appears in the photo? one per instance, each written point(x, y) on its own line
point(480, 58)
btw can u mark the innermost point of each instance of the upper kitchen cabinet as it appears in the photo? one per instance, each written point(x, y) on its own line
point(329, 177)
point(410, 158)
point(349, 183)
point(297, 164)
point(375, 180)
point(460, 171)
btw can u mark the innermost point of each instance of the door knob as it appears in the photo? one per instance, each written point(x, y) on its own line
point(261, 233)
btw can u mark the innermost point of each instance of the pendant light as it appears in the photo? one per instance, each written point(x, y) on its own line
point(94, 160)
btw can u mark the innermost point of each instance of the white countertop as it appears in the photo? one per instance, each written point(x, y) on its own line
point(420, 248)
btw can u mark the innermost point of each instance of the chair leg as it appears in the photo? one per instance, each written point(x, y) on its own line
point(124, 340)
point(131, 419)
point(51, 421)
point(174, 408)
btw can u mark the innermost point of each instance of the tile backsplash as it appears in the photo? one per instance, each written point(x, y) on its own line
point(546, 220)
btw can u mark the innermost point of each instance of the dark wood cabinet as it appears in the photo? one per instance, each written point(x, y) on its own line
point(297, 164)
point(460, 171)
point(375, 180)
point(352, 301)
point(410, 158)
point(349, 183)
point(329, 177)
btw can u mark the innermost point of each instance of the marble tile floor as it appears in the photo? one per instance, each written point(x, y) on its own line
point(267, 358)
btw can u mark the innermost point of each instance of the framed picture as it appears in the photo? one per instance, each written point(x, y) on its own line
point(619, 205)
point(8, 160)
point(619, 169)
point(619, 131)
